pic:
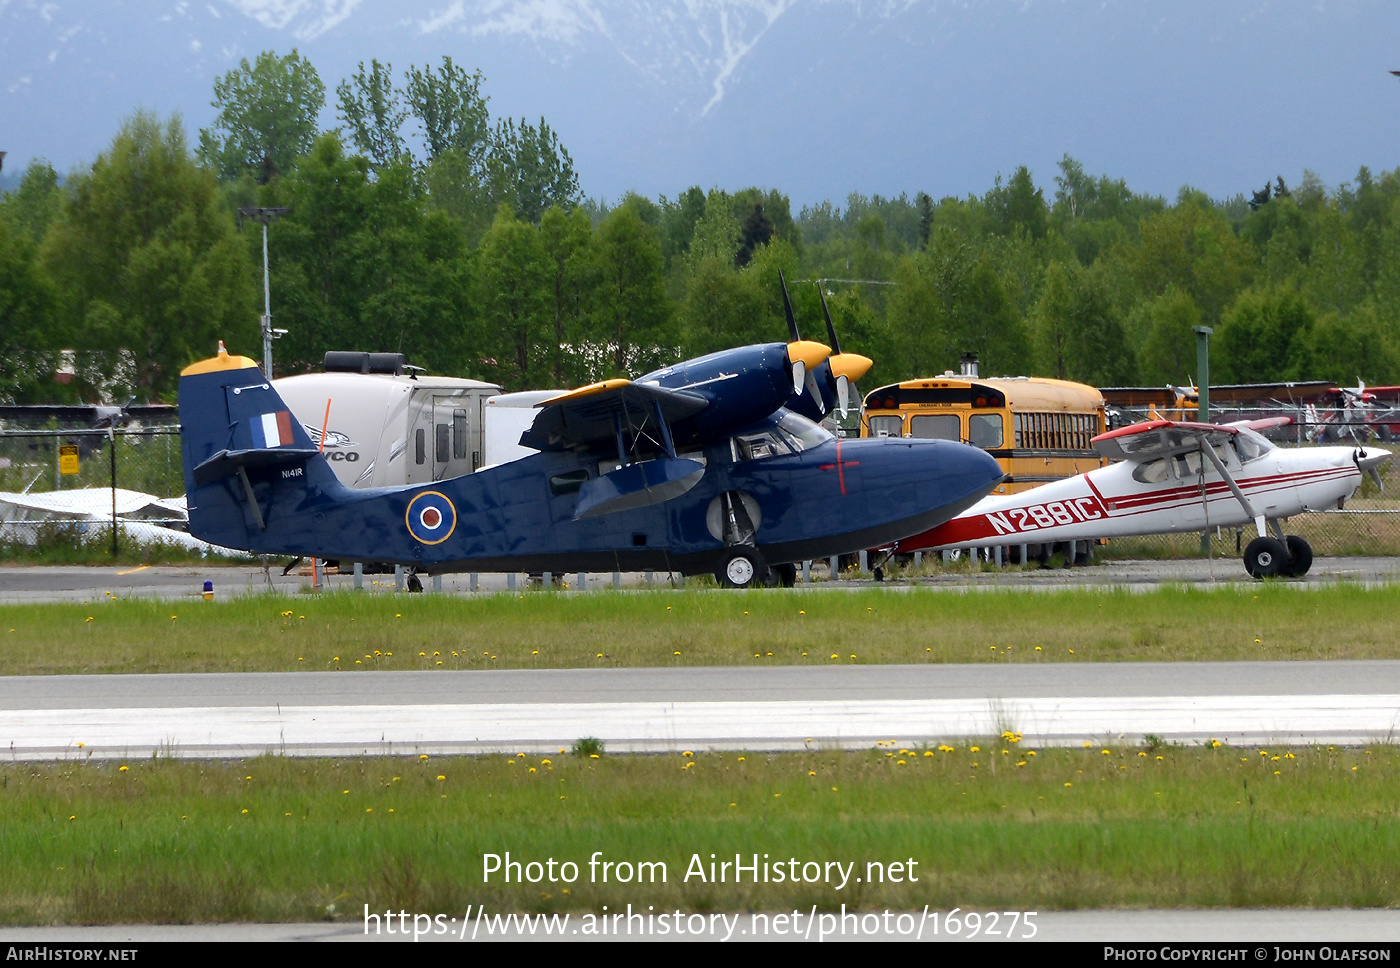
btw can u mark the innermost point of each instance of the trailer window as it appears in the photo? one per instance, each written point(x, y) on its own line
point(420, 446)
point(441, 450)
point(459, 434)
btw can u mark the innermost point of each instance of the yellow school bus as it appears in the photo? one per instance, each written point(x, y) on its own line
point(1037, 429)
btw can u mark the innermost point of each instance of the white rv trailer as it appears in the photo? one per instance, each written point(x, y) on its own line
point(389, 427)
point(384, 426)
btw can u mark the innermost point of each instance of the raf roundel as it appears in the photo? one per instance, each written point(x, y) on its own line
point(430, 517)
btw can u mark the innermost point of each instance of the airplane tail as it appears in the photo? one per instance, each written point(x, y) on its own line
point(244, 453)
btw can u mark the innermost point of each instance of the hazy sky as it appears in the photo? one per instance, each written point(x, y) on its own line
point(817, 98)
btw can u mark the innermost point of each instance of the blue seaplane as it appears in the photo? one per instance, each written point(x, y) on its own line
point(707, 466)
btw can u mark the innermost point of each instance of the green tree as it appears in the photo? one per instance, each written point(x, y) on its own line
point(360, 262)
point(1168, 353)
point(1018, 204)
point(373, 112)
point(530, 169)
point(634, 315)
point(267, 116)
point(1265, 335)
point(567, 238)
point(32, 207)
point(1192, 247)
point(148, 261)
point(29, 342)
point(451, 112)
point(513, 284)
point(1078, 335)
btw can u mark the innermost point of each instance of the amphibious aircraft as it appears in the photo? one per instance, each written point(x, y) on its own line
point(1174, 476)
point(697, 467)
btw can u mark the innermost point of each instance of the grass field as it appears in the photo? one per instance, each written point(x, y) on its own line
point(991, 825)
point(770, 627)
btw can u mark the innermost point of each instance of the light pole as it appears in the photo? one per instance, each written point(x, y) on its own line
point(266, 216)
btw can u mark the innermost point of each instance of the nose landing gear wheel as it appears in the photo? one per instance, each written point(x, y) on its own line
point(741, 567)
point(1265, 557)
point(1300, 557)
point(414, 583)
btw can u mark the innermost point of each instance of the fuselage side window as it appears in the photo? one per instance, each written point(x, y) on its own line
point(1152, 472)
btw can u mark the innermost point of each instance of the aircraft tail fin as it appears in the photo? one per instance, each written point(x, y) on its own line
point(243, 451)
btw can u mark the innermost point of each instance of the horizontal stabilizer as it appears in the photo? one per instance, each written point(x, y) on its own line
point(227, 462)
point(638, 485)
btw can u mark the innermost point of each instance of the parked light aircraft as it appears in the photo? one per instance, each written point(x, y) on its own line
point(141, 517)
point(1174, 476)
point(693, 468)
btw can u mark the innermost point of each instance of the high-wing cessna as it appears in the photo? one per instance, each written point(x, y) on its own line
point(1175, 476)
point(698, 467)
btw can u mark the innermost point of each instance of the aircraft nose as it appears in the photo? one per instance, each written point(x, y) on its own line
point(940, 472)
point(1368, 458)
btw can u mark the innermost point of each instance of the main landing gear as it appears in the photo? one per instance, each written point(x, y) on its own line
point(1281, 557)
point(743, 566)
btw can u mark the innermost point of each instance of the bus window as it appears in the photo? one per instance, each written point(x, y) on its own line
point(1153, 472)
point(886, 426)
point(984, 430)
point(937, 426)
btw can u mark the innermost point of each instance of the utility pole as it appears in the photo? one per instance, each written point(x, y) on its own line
point(1203, 372)
point(265, 216)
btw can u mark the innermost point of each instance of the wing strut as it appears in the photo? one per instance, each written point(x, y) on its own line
point(1219, 466)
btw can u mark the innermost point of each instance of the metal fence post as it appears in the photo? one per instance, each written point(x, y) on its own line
point(112, 447)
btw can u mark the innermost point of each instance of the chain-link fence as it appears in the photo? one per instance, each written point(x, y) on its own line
point(66, 491)
point(146, 462)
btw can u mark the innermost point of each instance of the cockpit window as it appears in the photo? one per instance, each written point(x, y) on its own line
point(802, 433)
point(758, 446)
point(1251, 447)
point(793, 434)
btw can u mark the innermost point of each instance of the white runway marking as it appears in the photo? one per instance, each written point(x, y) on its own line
point(663, 726)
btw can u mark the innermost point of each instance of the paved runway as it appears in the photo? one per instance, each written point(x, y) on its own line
point(77, 583)
point(406, 713)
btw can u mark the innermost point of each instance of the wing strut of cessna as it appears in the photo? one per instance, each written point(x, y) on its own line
point(1175, 476)
point(705, 466)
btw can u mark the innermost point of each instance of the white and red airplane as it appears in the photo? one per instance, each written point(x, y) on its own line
point(1174, 476)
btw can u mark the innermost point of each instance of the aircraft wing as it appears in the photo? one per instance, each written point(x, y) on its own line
point(591, 414)
point(86, 502)
point(1151, 439)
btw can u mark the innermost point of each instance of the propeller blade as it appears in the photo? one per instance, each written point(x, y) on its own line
point(815, 391)
point(787, 310)
point(843, 393)
point(799, 372)
point(1376, 476)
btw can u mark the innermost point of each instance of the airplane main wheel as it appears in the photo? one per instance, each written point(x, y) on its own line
point(415, 585)
point(1265, 557)
point(741, 567)
point(1299, 557)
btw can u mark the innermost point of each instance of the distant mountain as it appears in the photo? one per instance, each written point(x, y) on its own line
point(815, 97)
